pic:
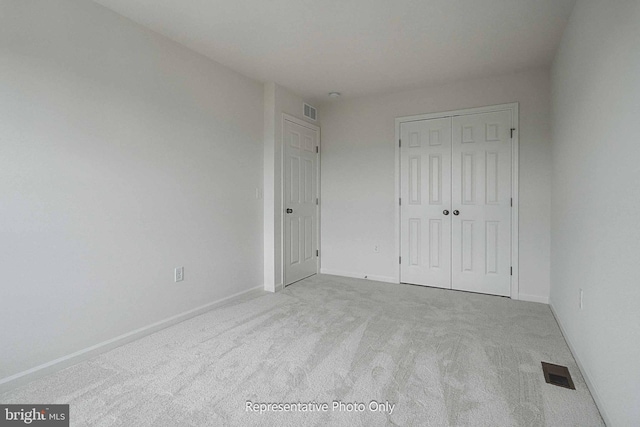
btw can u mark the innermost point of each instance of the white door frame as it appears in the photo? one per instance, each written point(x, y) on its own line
point(300, 122)
point(513, 108)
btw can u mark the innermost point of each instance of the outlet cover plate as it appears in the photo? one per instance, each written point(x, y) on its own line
point(179, 274)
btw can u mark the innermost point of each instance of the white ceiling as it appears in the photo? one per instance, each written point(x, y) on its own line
point(359, 47)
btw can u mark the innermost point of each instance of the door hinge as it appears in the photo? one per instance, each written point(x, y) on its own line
point(512, 130)
point(399, 260)
point(317, 252)
point(400, 201)
point(317, 201)
point(317, 149)
point(399, 143)
point(512, 271)
point(512, 202)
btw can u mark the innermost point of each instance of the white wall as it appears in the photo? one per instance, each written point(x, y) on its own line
point(122, 156)
point(277, 100)
point(358, 200)
point(596, 200)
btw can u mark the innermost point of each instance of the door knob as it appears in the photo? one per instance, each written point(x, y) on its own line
point(446, 212)
point(456, 212)
point(289, 210)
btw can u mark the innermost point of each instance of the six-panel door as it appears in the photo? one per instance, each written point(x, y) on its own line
point(481, 192)
point(426, 199)
point(455, 229)
point(300, 192)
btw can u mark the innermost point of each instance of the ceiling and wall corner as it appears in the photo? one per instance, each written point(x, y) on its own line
point(363, 46)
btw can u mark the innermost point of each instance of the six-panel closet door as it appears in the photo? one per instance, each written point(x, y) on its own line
point(425, 229)
point(455, 211)
point(481, 194)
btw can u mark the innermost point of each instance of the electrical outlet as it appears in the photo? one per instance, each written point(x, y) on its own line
point(581, 299)
point(179, 274)
point(376, 248)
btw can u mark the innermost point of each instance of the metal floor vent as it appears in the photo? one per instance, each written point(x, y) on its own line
point(557, 375)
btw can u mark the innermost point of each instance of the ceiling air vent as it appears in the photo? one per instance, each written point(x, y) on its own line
point(310, 112)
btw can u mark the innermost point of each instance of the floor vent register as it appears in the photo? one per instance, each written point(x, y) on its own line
point(557, 375)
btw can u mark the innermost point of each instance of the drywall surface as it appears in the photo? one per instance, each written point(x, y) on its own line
point(358, 146)
point(123, 155)
point(596, 200)
point(278, 100)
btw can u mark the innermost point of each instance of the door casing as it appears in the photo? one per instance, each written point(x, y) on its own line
point(513, 108)
point(293, 119)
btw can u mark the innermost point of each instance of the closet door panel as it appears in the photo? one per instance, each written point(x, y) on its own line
point(425, 228)
point(481, 201)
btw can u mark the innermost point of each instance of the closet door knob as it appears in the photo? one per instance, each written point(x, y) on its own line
point(446, 212)
point(456, 212)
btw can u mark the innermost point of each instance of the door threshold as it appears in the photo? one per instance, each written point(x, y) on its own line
point(455, 290)
point(296, 281)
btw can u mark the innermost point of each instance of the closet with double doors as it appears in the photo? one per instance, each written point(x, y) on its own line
point(456, 201)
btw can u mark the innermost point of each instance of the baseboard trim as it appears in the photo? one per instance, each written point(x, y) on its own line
point(533, 298)
point(44, 369)
point(358, 275)
point(583, 371)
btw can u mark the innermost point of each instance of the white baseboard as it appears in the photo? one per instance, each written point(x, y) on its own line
point(583, 371)
point(39, 371)
point(358, 275)
point(533, 298)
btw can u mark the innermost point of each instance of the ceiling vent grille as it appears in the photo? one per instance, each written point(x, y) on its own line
point(310, 112)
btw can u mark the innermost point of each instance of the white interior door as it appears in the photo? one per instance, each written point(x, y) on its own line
point(300, 193)
point(425, 228)
point(481, 203)
point(455, 214)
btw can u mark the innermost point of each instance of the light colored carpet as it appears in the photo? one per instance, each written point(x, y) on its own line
point(444, 358)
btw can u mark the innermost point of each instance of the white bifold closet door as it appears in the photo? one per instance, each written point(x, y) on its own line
point(456, 202)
